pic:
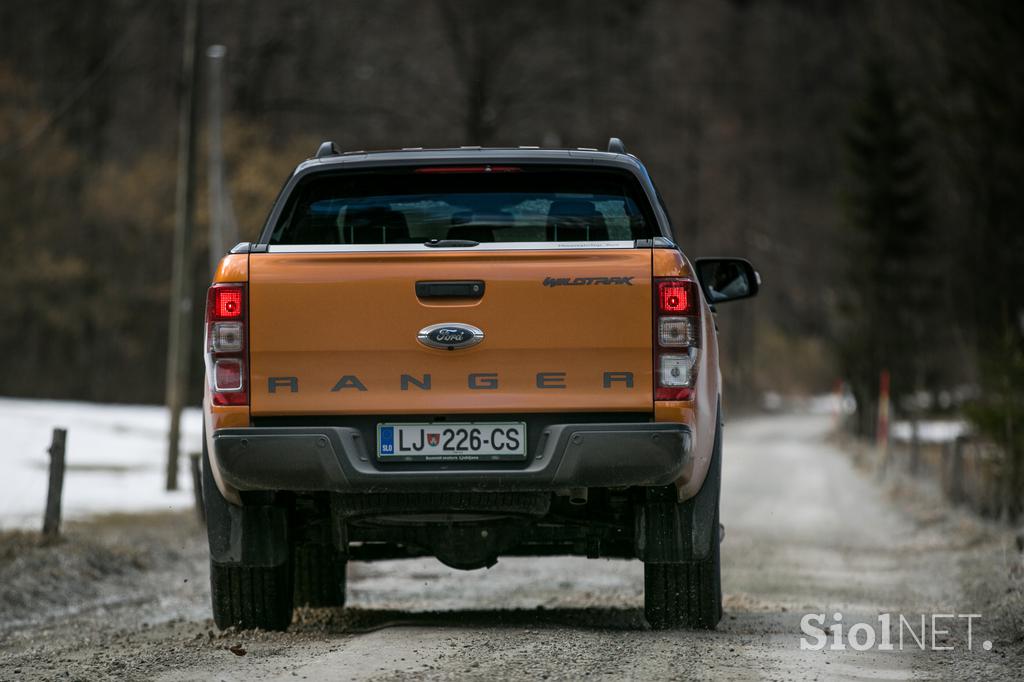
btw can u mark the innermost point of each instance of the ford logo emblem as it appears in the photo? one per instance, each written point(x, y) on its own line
point(450, 335)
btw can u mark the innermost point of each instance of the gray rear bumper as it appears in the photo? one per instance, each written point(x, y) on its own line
point(338, 459)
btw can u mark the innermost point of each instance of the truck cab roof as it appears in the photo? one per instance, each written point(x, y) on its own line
point(328, 155)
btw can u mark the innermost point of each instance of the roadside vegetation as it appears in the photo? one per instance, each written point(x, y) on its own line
point(934, 245)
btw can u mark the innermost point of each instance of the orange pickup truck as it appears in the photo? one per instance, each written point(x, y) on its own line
point(463, 353)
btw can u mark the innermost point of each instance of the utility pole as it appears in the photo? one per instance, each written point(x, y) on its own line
point(223, 228)
point(180, 322)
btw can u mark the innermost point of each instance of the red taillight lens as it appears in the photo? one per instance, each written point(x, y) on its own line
point(677, 296)
point(226, 349)
point(227, 374)
point(662, 393)
point(237, 398)
point(676, 338)
point(227, 302)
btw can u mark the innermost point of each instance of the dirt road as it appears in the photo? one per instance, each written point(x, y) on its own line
point(125, 598)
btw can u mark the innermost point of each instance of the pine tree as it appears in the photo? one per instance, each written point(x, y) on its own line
point(885, 307)
point(983, 138)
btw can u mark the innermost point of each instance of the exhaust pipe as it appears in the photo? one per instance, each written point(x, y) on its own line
point(578, 496)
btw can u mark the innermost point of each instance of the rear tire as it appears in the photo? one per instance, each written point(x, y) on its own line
point(244, 596)
point(251, 597)
point(683, 584)
point(684, 595)
point(319, 575)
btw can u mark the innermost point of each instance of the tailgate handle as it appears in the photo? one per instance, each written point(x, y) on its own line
point(464, 288)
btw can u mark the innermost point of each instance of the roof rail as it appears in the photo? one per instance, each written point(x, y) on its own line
point(327, 148)
point(616, 146)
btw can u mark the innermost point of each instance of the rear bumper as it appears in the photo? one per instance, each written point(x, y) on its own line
point(338, 459)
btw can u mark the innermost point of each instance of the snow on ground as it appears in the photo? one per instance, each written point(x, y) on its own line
point(115, 458)
point(931, 430)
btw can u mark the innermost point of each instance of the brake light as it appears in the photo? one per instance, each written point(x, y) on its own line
point(677, 296)
point(225, 346)
point(676, 338)
point(469, 169)
point(227, 302)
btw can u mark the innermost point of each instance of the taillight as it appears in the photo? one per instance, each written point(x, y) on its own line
point(677, 296)
point(468, 169)
point(225, 347)
point(227, 374)
point(227, 302)
point(676, 337)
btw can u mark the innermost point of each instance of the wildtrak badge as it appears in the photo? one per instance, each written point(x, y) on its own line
point(586, 281)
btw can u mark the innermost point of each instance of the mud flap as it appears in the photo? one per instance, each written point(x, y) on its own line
point(252, 536)
point(671, 532)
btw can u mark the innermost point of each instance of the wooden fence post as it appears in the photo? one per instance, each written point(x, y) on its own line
point(197, 485)
point(51, 521)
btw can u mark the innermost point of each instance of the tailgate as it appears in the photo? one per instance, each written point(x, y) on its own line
point(564, 330)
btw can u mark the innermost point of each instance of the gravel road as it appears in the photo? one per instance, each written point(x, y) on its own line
point(126, 597)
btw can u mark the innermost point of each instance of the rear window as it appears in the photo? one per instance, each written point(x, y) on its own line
point(476, 203)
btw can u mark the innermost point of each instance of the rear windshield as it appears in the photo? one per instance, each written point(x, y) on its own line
point(476, 203)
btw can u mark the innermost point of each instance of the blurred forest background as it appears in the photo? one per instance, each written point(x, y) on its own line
point(865, 155)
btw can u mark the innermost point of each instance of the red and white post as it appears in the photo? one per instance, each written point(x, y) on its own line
point(882, 430)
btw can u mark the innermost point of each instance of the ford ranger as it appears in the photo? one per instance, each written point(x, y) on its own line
point(463, 353)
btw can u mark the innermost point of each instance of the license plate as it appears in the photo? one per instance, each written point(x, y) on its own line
point(452, 442)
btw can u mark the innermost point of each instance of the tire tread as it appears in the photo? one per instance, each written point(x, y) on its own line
point(249, 597)
point(319, 576)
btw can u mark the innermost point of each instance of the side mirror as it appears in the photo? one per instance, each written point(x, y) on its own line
point(727, 279)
